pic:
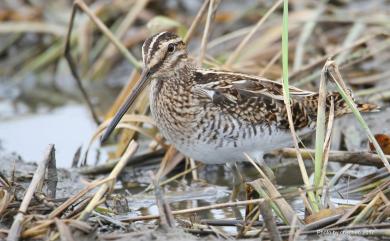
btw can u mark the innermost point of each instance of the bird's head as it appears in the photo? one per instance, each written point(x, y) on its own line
point(162, 54)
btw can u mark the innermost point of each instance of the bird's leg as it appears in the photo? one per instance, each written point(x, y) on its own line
point(267, 170)
point(237, 181)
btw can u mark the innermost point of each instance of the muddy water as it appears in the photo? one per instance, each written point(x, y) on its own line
point(214, 186)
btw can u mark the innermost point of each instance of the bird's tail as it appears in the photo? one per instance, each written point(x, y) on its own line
point(367, 107)
point(340, 106)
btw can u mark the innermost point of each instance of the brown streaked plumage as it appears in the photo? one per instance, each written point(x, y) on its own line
point(216, 116)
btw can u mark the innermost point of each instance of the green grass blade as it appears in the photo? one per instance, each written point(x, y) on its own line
point(320, 134)
point(335, 74)
point(286, 96)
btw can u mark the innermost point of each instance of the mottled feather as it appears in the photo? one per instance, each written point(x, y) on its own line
point(214, 116)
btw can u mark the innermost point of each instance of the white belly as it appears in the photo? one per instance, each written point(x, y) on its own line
point(255, 147)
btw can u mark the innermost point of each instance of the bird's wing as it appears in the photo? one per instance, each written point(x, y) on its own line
point(252, 98)
point(210, 81)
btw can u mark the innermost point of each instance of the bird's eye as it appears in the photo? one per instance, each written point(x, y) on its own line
point(171, 48)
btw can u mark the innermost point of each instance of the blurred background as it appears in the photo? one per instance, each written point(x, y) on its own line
point(41, 103)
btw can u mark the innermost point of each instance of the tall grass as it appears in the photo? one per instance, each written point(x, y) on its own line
point(320, 135)
point(286, 97)
point(341, 88)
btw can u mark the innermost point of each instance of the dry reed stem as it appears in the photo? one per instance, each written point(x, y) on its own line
point(361, 157)
point(229, 36)
point(4, 181)
point(60, 209)
point(6, 197)
point(39, 175)
point(269, 220)
point(196, 21)
point(353, 34)
point(138, 129)
point(194, 172)
point(245, 41)
point(164, 168)
point(368, 198)
point(284, 207)
point(38, 229)
point(82, 6)
point(64, 231)
point(169, 155)
point(120, 32)
point(335, 74)
point(305, 35)
point(198, 209)
point(32, 27)
point(203, 45)
point(73, 68)
point(108, 166)
point(294, 231)
point(254, 215)
point(366, 211)
point(126, 119)
point(327, 148)
point(270, 63)
point(178, 175)
point(331, 54)
point(166, 217)
point(339, 174)
point(352, 59)
point(52, 176)
point(105, 187)
point(172, 163)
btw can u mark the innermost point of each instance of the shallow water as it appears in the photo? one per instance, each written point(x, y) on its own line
point(67, 127)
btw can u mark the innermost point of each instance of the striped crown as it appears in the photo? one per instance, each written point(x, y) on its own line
point(163, 51)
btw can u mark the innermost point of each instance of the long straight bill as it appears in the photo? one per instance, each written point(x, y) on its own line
point(142, 83)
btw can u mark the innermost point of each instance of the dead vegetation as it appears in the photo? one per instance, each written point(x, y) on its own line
point(350, 38)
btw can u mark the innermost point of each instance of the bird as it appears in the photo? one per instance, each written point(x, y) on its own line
point(216, 116)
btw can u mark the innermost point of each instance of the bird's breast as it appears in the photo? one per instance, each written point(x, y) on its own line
point(174, 110)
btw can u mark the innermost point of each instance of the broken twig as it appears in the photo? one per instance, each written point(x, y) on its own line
point(16, 228)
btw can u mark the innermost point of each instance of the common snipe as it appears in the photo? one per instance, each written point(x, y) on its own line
point(215, 116)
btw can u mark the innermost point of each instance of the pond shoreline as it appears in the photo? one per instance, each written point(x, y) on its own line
point(69, 184)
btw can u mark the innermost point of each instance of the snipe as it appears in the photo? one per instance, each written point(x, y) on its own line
point(215, 116)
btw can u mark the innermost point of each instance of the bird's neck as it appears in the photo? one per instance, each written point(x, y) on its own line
point(172, 103)
point(173, 79)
